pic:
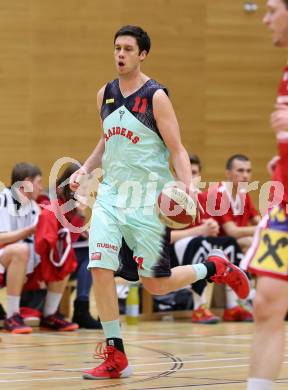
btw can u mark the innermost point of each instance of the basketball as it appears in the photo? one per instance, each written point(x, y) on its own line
point(176, 209)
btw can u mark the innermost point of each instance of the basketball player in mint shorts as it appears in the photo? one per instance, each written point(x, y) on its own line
point(140, 131)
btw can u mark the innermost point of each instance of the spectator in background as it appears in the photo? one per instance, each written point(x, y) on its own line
point(18, 218)
point(22, 221)
point(232, 207)
point(76, 217)
point(193, 245)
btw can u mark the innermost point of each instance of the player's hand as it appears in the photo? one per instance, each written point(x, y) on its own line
point(84, 235)
point(279, 118)
point(272, 164)
point(194, 192)
point(76, 177)
point(211, 227)
point(30, 230)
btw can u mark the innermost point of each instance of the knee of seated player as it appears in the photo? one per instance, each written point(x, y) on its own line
point(23, 250)
point(155, 286)
point(18, 252)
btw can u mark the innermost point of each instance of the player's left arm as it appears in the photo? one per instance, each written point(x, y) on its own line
point(169, 129)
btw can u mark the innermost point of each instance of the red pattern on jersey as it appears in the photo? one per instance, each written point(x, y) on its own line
point(217, 197)
point(283, 88)
point(46, 239)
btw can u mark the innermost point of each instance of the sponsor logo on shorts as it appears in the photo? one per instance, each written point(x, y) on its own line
point(96, 256)
point(108, 101)
point(107, 246)
point(139, 260)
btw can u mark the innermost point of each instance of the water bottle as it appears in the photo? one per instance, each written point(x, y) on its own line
point(132, 304)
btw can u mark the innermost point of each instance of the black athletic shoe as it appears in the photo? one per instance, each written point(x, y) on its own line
point(82, 316)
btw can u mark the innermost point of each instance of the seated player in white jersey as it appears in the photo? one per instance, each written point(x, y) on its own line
point(192, 246)
point(140, 131)
point(19, 214)
point(18, 219)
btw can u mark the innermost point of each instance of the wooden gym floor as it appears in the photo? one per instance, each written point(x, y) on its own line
point(164, 355)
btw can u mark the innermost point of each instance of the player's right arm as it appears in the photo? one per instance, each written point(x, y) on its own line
point(95, 159)
point(209, 227)
point(231, 229)
point(16, 235)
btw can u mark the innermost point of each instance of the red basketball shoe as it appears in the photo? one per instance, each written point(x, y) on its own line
point(202, 315)
point(228, 273)
point(115, 364)
point(237, 313)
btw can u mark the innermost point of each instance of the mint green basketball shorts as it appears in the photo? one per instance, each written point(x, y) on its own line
point(148, 239)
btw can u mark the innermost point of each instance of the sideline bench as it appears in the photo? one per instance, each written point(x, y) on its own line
point(147, 303)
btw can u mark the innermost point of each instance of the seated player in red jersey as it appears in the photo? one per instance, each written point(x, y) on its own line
point(53, 242)
point(231, 205)
point(56, 231)
point(193, 245)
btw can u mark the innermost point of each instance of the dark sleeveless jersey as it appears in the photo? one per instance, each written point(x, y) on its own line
point(138, 103)
point(135, 157)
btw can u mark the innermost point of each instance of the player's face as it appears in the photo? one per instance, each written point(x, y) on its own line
point(127, 56)
point(240, 172)
point(276, 19)
point(195, 170)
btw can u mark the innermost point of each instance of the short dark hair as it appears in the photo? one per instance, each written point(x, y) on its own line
point(241, 157)
point(64, 191)
point(194, 159)
point(23, 170)
point(141, 36)
point(286, 3)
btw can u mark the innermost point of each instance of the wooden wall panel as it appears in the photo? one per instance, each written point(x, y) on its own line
point(177, 30)
point(71, 46)
point(217, 61)
point(242, 72)
point(15, 64)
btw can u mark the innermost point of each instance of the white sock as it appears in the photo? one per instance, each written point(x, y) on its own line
point(231, 298)
point(13, 305)
point(259, 384)
point(198, 300)
point(200, 270)
point(52, 302)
